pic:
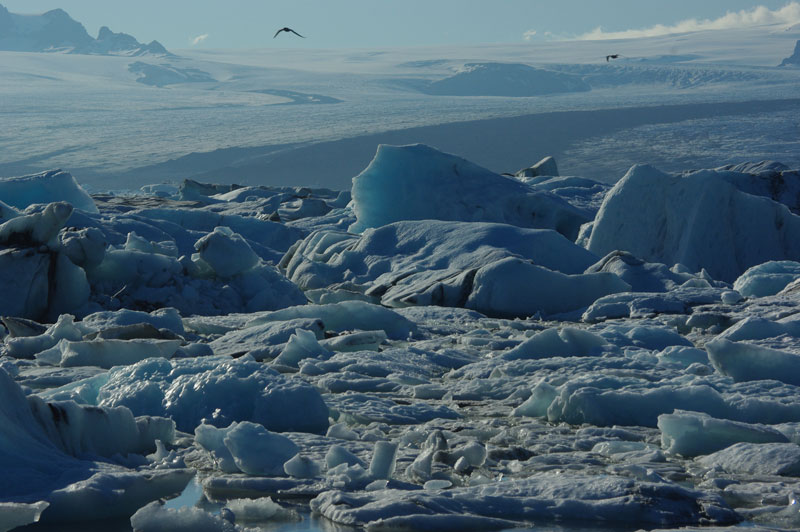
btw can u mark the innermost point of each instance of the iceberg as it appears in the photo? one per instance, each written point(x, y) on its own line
point(191, 390)
point(463, 264)
point(47, 452)
point(46, 187)
point(418, 182)
point(700, 220)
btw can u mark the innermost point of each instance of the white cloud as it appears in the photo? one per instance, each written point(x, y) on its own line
point(200, 38)
point(759, 15)
point(533, 35)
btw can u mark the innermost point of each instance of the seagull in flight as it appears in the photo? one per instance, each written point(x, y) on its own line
point(287, 30)
point(612, 56)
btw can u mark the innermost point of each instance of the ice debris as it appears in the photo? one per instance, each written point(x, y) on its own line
point(475, 370)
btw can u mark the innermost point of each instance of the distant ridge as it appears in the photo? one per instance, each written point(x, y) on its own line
point(56, 31)
point(505, 79)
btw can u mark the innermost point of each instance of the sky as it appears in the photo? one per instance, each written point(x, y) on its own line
point(180, 24)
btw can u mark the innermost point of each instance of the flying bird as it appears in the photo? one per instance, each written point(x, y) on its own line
point(287, 30)
point(612, 56)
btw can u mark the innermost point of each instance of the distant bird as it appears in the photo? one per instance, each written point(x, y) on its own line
point(287, 30)
point(612, 56)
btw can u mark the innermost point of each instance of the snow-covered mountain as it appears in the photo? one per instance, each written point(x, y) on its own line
point(56, 31)
point(109, 42)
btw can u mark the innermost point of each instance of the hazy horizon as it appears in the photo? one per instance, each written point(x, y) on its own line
point(182, 24)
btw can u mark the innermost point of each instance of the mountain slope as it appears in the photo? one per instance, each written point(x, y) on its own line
point(56, 31)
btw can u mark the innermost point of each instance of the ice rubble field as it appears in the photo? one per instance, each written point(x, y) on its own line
point(438, 348)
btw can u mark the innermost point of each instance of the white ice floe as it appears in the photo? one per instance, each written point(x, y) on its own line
point(162, 318)
point(357, 408)
point(301, 345)
point(263, 233)
point(755, 328)
point(47, 187)
point(192, 284)
point(27, 346)
point(756, 459)
point(79, 430)
point(545, 167)
point(154, 517)
point(558, 343)
point(338, 455)
point(265, 340)
point(767, 279)
point(103, 339)
point(543, 497)
point(383, 460)
point(106, 353)
point(640, 275)
point(106, 431)
point(36, 228)
point(226, 252)
point(300, 466)
point(513, 287)
point(747, 362)
point(247, 447)
point(647, 304)
point(218, 389)
point(693, 433)
point(16, 514)
point(347, 315)
point(261, 509)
